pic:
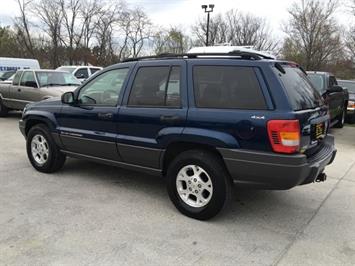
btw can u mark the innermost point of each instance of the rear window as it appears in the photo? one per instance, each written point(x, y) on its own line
point(318, 81)
point(227, 87)
point(301, 93)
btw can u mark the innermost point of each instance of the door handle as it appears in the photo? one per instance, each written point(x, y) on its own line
point(170, 118)
point(105, 115)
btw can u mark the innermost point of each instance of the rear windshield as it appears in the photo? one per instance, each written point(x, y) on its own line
point(301, 93)
point(350, 85)
point(317, 81)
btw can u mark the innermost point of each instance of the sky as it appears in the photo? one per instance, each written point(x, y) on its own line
point(185, 12)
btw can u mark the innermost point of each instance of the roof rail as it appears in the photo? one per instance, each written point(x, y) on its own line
point(232, 55)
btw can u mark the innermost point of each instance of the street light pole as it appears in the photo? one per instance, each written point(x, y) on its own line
point(208, 9)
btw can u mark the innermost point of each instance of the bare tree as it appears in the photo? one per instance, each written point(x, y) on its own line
point(70, 11)
point(51, 16)
point(313, 34)
point(22, 27)
point(236, 28)
point(170, 41)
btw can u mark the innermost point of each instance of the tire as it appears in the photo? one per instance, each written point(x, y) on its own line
point(210, 184)
point(352, 119)
point(3, 109)
point(341, 119)
point(42, 151)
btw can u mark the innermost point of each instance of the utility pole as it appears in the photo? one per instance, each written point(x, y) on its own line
point(208, 9)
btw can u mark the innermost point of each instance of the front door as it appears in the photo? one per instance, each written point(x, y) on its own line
point(89, 127)
point(154, 107)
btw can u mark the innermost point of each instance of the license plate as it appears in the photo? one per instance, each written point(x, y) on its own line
point(319, 131)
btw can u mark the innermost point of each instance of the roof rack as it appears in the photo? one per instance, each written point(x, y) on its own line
point(232, 55)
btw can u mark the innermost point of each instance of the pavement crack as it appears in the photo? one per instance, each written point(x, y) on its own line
point(302, 229)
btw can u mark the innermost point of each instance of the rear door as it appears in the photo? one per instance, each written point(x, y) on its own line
point(229, 97)
point(154, 107)
point(334, 99)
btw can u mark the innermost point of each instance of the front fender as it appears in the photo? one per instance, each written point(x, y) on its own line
point(45, 117)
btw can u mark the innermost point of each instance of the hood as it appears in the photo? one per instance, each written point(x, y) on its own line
point(63, 89)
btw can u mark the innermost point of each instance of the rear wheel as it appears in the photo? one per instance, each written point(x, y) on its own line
point(198, 184)
point(42, 151)
point(341, 119)
point(3, 109)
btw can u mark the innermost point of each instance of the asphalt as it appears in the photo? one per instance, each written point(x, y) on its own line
point(91, 214)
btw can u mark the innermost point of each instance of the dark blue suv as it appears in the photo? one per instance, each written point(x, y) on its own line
point(204, 121)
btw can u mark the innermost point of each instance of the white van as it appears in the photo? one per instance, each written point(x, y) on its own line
point(8, 63)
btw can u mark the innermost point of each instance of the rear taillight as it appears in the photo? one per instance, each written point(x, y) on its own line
point(284, 135)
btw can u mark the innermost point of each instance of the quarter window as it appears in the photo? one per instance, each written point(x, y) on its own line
point(227, 87)
point(104, 89)
point(82, 73)
point(156, 87)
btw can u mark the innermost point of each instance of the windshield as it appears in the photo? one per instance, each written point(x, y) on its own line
point(301, 93)
point(350, 85)
point(317, 81)
point(67, 69)
point(6, 75)
point(53, 78)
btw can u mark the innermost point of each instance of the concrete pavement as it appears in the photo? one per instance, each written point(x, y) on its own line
point(99, 215)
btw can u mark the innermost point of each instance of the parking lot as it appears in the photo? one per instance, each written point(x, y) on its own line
point(99, 215)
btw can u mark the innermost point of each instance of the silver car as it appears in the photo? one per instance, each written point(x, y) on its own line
point(34, 85)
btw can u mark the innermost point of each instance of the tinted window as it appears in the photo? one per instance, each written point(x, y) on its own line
point(28, 78)
point(17, 78)
point(347, 84)
point(318, 81)
point(93, 70)
point(332, 81)
point(104, 89)
point(227, 87)
point(152, 88)
point(82, 73)
point(301, 93)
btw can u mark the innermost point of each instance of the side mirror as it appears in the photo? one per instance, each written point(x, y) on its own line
point(68, 97)
point(335, 88)
point(32, 84)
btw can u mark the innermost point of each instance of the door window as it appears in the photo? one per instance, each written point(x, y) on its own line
point(227, 87)
point(156, 87)
point(104, 89)
point(82, 73)
point(17, 77)
point(28, 79)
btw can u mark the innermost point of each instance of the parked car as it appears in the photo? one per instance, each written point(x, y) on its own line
point(202, 121)
point(80, 72)
point(5, 75)
point(350, 86)
point(334, 95)
point(8, 63)
point(34, 85)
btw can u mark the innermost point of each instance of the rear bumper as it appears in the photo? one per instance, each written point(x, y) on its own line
point(268, 170)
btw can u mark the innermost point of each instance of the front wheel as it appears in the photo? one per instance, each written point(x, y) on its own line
point(198, 184)
point(42, 151)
